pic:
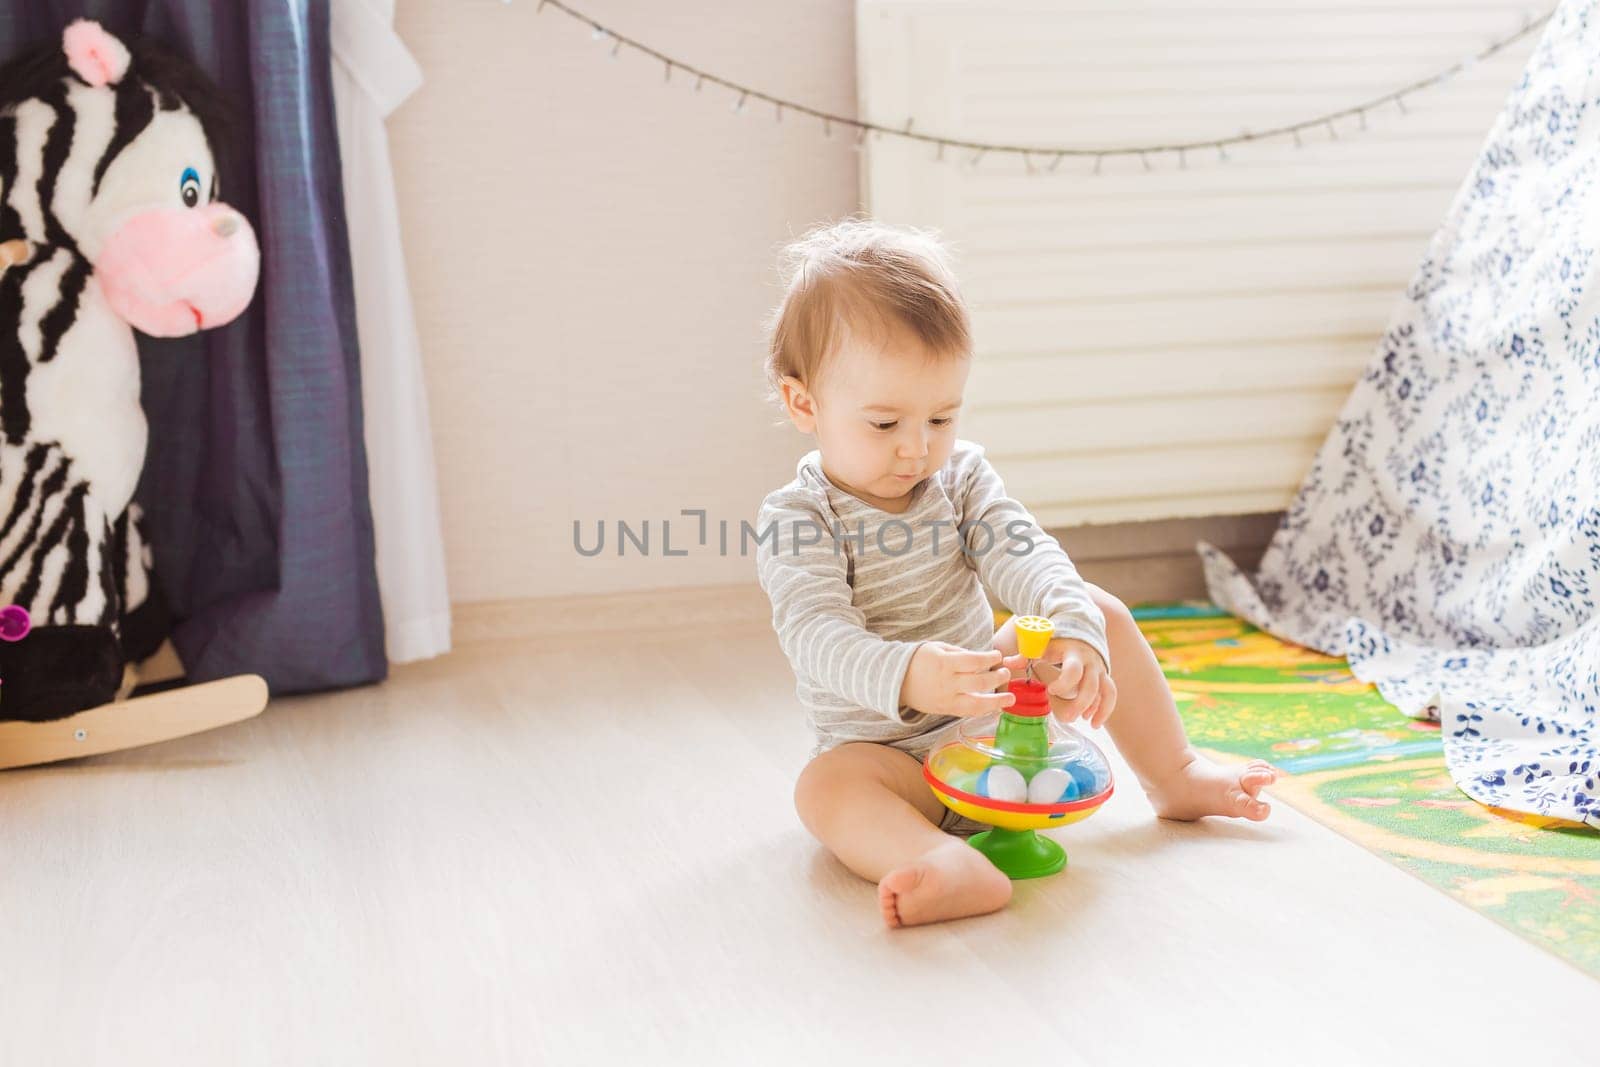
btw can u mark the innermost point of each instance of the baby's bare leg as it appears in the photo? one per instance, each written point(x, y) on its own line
point(869, 805)
point(1149, 733)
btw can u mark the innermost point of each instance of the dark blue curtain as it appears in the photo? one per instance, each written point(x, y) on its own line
point(256, 482)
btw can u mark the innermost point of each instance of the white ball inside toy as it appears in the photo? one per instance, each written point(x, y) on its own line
point(1051, 786)
point(1001, 782)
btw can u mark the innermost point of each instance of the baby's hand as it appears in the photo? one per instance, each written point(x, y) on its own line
point(1084, 687)
point(946, 680)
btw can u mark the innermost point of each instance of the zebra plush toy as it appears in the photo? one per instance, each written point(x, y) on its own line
point(110, 222)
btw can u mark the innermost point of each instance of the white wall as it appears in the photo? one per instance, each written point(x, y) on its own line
point(592, 253)
point(1178, 341)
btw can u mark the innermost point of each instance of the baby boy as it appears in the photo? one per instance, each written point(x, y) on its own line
point(877, 558)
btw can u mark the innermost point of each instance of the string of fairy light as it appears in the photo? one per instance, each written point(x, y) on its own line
point(1046, 158)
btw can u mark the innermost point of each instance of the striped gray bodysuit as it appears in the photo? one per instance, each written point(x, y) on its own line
point(856, 589)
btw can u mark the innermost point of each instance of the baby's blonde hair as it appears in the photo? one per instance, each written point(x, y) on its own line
point(859, 274)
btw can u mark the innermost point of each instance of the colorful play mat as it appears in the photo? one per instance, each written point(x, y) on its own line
point(1356, 765)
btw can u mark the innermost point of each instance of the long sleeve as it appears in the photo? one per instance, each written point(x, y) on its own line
point(1036, 580)
point(804, 571)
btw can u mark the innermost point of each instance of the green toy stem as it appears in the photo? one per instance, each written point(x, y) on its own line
point(1023, 742)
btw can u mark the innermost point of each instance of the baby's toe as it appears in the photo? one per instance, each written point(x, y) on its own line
point(1246, 806)
point(888, 903)
point(1256, 777)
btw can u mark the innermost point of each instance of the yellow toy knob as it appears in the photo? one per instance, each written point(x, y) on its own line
point(1033, 635)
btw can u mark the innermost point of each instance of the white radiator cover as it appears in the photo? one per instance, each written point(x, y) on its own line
point(1174, 342)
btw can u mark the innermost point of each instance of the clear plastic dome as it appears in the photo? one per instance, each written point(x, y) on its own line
point(1022, 770)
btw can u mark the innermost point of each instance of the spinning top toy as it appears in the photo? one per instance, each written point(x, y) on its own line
point(1021, 771)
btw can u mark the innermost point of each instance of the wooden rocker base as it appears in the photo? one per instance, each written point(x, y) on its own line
point(130, 723)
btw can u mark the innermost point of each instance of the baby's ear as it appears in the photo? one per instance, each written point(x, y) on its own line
point(797, 403)
point(93, 54)
point(793, 388)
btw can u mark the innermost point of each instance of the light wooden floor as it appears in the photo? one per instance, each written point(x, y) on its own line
point(529, 852)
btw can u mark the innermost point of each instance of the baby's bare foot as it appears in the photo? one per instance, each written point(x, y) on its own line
point(1201, 788)
point(948, 882)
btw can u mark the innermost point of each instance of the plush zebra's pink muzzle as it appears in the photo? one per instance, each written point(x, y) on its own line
point(172, 271)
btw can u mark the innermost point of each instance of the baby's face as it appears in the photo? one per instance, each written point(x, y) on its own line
point(884, 416)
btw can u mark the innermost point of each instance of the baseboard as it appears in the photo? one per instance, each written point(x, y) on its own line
point(1141, 561)
point(641, 612)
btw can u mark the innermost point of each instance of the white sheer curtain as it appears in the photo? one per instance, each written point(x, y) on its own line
point(372, 74)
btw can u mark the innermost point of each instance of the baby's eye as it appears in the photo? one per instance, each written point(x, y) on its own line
point(884, 426)
point(189, 187)
point(940, 422)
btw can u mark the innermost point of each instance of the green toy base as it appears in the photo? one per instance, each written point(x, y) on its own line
point(1020, 853)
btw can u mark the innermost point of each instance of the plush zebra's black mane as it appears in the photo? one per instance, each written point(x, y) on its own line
point(31, 74)
point(37, 70)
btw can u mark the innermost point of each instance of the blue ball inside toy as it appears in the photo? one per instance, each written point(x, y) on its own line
point(1090, 780)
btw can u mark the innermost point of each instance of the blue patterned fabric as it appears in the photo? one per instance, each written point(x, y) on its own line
point(255, 484)
point(1447, 539)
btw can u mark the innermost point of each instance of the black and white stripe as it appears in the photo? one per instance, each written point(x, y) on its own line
point(54, 540)
point(71, 546)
